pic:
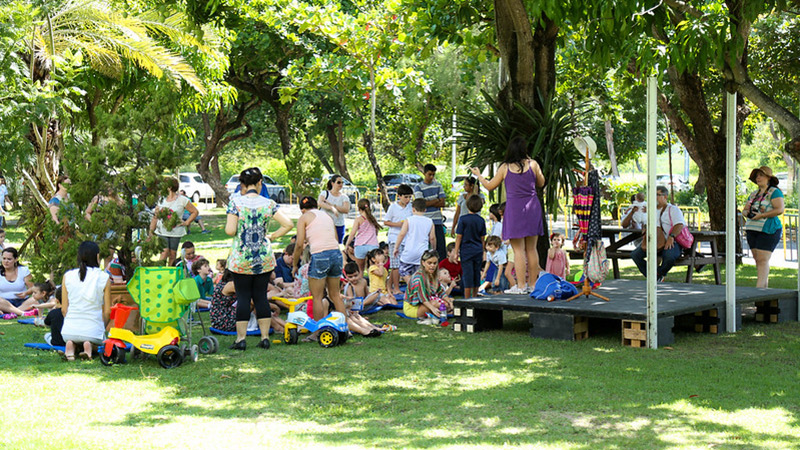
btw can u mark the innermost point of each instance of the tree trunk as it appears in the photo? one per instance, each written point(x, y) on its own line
point(335, 134)
point(612, 155)
point(214, 137)
point(515, 43)
point(367, 139)
point(319, 153)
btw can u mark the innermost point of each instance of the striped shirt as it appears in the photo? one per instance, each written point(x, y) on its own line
point(429, 192)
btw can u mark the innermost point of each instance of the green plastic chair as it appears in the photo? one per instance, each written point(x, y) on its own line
point(163, 295)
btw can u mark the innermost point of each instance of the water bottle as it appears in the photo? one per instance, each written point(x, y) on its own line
point(557, 292)
point(442, 312)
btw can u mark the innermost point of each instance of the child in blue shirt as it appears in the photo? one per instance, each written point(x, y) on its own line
point(202, 276)
point(470, 232)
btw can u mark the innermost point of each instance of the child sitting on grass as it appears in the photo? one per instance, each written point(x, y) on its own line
point(453, 268)
point(447, 283)
point(202, 276)
point(376, 261)
point(43, 294)
point(357, 287)
point(55, 320)
point(222, 264)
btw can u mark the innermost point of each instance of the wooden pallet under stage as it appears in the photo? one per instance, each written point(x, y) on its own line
point(704, 303)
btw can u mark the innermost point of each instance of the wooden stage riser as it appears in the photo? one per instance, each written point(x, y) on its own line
point(568, 327)
point(776, 311)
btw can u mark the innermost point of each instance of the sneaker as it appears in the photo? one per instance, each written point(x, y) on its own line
point(514, 290)
point(48, 337)
point(425, 321)
point(661, 279)
point(9, 316)
point(205, 232)
point(31, 312)
point(482, 293)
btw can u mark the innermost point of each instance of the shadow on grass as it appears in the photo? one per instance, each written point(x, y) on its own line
point(422, 387)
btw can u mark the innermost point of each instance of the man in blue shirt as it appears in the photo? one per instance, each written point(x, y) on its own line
point(283, 265)
point(433, 193)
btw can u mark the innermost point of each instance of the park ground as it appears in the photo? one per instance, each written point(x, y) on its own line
point(419, 387)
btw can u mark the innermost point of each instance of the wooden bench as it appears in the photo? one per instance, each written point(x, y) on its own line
point(691, 257)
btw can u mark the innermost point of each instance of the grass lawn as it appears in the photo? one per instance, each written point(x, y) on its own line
point(419, 387)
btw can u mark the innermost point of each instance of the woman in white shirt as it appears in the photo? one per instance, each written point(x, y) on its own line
point(336, 204)
point(171, 237)
point(16, 285)
point(85, 302)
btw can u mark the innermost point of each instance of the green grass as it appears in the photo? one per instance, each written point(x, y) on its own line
point(420, 387)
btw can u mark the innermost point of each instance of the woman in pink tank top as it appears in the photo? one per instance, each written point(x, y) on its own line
point(365, 230)
point(316, 229)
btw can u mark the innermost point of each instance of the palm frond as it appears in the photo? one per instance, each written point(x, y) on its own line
point(487, 129)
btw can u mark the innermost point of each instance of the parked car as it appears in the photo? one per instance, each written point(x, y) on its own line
point(458, 183)
point(348, 188)
point(195, 188)
point(275, 191)
point(678, 182)
point(393, 180)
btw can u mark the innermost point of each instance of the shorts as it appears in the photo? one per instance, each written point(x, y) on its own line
point(325, 264)
point(340, 233)
point(362, 250)
point(410, 310)
point(76, 338)
point(758, 240)
point(406, 270)
point(16, 301)
point(471, 271)
point(394, 263)
point(170, 242)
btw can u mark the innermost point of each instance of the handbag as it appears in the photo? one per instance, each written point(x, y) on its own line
point(684, 238)
point(597, 266)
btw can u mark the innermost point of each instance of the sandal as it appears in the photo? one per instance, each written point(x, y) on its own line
point(388, 327)
point(66, 357)
point(84, 356)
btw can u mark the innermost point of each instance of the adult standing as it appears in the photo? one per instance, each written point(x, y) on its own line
point(62, 183)
point(670, 225)
point(432, 192)
point(335, 203)
point(85, 302)
point(763, 227)
point(16, 284)
point(470, 185)
point(171, 237)
point(325, 267)
point(251, 261)
point(522, 221)
point(3, 196)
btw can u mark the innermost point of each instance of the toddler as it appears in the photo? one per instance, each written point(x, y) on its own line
point(377, 277)
point(557, 260)
point(222, 264)
point(497, 255)
point(43, 294)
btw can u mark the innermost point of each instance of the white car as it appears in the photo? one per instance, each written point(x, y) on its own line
point(678, 182)
point(195, 188)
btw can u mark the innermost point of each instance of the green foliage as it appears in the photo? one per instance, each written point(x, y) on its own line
point(617, 193)
point(486, 135)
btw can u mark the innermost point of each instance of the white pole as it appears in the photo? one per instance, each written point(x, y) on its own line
point(730, 214)
point(652, 296)
point(453, 155)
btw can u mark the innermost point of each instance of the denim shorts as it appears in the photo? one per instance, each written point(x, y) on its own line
point(763, 241)
point(325, 264)
point(362, 250)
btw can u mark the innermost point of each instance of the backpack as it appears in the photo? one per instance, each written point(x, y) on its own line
point(546, 285)
point(597, 266)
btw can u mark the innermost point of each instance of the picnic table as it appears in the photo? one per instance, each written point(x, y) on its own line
point(691, 257)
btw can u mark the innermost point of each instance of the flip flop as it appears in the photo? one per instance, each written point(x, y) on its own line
point(84, 356)
point(66, 357)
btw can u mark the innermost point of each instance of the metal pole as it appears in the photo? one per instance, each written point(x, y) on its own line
point(453, 155)
point(652, 296)
point(730, 214)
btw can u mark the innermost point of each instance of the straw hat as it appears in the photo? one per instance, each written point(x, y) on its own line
point(585, 143)
point(773, 180)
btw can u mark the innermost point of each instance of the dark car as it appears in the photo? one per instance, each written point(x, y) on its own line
point(393, 180)
point(276, 192)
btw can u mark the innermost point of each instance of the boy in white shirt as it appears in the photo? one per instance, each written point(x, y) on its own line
point(416, 235)
point(395, 215)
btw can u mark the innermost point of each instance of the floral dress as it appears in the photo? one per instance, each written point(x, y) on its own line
point(251, 252)
point(222, 311)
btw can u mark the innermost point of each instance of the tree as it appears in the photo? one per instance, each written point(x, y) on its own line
point(95, 35)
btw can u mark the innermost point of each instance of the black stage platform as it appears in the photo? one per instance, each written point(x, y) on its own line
point(628, 302)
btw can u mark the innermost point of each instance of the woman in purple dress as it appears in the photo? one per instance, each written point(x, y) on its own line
point(522, 223)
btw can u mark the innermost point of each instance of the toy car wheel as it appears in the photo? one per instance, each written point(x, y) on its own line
point(343, 335)
point(328, 337)
point(112, 359)
point(120, 357)
point(170, 356)
point(206, 345)
point(216, 343)
point(195, 352)
point(292, 337)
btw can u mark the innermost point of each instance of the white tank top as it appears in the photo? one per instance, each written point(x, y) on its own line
point(416, 240)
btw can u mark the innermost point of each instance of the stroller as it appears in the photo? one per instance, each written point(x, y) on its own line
point(164, 297)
